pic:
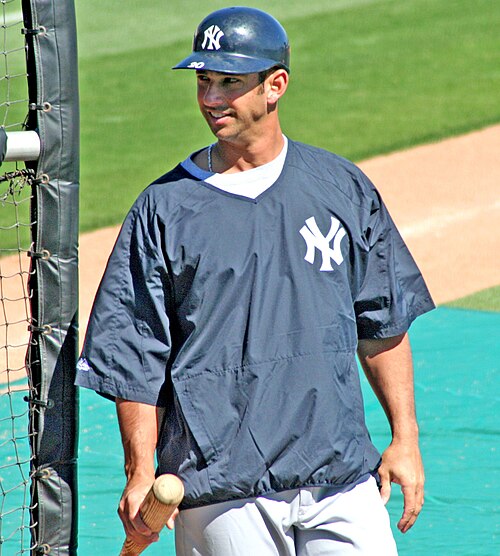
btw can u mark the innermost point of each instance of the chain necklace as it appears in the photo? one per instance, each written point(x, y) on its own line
point(209, 156)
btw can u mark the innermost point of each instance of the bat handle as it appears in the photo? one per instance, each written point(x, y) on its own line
point(160, 503)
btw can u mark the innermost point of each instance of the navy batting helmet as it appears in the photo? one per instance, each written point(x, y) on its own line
point(238, 40)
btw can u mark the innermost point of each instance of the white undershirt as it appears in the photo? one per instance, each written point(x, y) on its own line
point(250, 183)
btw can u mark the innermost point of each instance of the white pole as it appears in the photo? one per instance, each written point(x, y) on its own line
point(22, 146)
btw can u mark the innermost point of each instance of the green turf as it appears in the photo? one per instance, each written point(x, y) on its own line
point(485, 300)
point(456, 384)
point(367, 77)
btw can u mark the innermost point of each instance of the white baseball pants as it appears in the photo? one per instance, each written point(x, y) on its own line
point(301, 522)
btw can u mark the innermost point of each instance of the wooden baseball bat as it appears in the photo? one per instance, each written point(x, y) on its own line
point(164, 496)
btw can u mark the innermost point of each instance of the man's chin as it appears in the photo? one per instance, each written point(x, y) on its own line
point(222, 134)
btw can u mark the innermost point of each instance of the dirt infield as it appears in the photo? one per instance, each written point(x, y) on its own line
point(444, 197)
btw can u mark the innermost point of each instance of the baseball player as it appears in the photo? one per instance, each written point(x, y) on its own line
point(242, 285)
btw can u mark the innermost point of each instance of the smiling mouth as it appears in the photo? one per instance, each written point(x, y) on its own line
point(216, 115)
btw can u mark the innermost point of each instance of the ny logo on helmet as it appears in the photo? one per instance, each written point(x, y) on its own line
point(213, 35)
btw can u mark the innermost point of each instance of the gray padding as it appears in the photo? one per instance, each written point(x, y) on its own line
point(55, 281)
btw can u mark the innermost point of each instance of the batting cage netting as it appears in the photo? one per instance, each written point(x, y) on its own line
point(39, 155)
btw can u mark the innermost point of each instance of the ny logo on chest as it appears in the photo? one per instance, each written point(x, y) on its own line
point(316, 240)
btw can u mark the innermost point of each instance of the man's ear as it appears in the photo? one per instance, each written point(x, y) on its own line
point(277, 84)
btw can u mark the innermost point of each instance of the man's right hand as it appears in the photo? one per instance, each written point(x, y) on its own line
point(128, 510)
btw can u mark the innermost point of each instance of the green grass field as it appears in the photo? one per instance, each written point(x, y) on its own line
point(485, 300)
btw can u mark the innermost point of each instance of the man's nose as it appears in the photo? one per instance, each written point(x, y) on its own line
point(213, 95)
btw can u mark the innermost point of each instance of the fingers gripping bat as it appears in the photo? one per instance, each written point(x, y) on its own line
point(160, 503)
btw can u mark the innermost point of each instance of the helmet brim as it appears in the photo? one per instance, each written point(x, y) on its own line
point(236, 64)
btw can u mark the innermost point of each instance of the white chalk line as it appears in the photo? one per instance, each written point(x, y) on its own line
point(438, 223)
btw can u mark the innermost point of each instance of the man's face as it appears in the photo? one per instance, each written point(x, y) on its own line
point(234, 106)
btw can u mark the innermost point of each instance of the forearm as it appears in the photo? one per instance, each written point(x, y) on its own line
point(388, 366)
point(139, 431)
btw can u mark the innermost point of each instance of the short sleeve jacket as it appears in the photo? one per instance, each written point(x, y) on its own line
point(241, 318)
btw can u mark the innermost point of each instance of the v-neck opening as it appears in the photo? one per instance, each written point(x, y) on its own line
point(259, 197)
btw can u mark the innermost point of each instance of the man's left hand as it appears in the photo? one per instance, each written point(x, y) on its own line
point(402, 464)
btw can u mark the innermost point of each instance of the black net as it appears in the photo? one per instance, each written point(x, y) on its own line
point(15, 318)
point(15, 378)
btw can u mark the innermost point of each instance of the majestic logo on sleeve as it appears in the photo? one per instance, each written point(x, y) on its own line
point(316, 240)
point(212, 38)
point(83, 365)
